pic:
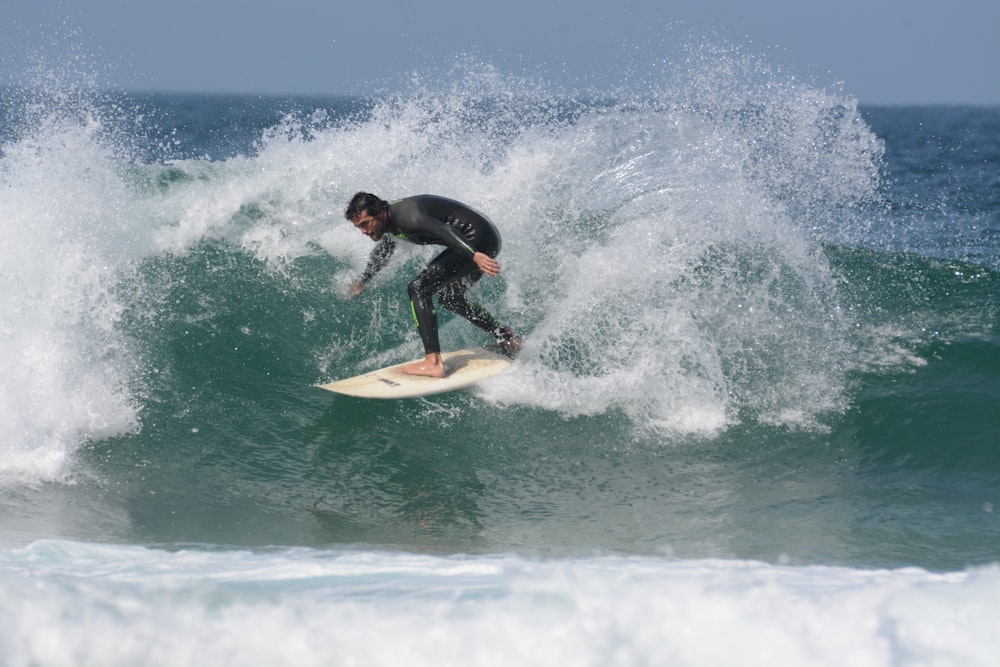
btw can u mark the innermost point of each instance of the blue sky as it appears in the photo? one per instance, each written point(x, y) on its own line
point(879, 51)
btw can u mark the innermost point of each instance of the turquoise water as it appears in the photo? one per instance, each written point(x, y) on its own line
point(761, 376)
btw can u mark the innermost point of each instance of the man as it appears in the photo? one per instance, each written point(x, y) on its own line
point(471, 246)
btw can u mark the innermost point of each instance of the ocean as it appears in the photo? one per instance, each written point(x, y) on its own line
point(754, 421)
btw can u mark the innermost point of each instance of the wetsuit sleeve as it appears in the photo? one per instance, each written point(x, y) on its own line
point(421, 225)
point(379, 257)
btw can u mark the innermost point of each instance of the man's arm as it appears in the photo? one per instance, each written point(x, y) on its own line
point(410, 219)
point(377, 260)
point(425, 225)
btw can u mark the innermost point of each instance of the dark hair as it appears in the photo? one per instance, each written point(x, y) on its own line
point(365, 202)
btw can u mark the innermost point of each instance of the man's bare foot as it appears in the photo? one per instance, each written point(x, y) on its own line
point(430, 366)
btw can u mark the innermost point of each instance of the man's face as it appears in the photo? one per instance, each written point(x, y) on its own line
point(372, 227)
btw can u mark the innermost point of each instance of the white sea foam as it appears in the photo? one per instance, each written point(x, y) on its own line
point(128, 605)
point(662, 256)
point(65, 368)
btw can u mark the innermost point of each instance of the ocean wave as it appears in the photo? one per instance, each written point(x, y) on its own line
point(131, 605)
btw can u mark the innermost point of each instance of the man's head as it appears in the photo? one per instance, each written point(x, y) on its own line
point(369, 214)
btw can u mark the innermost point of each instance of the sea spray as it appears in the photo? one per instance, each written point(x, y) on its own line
point(662, 251)
point(67, 369)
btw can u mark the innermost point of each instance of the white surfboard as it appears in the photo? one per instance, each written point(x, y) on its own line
point(463, 368)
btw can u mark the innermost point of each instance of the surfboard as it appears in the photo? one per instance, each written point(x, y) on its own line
point(463, 368)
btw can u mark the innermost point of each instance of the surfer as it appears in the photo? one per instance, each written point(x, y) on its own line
point(471, 243)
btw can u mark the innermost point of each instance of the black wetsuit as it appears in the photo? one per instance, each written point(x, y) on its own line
point(432, 220)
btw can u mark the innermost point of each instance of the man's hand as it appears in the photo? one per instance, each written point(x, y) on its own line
point(486, 264)
point(356, 288)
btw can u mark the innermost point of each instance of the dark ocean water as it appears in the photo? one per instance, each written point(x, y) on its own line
point(760, 384)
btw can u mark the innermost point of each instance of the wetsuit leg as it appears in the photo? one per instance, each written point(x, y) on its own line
point(452, 297)
point(447, 268)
